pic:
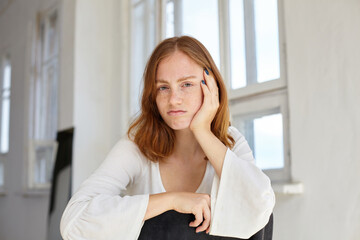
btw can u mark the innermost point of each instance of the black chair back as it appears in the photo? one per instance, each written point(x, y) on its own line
point(175, 226)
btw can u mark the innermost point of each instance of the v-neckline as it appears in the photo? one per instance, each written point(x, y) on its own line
point(162, 185)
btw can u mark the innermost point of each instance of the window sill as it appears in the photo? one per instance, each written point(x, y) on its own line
point(290, 188)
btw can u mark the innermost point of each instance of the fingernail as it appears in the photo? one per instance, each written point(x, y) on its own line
point(206, 71)
point(202, 81)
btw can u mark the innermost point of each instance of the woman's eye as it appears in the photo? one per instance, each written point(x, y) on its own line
point(162, 88)
point(187, 84)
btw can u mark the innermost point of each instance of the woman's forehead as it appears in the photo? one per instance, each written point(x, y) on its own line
point(177, 65)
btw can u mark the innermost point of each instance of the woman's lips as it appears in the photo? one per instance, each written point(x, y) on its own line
point(176, 112)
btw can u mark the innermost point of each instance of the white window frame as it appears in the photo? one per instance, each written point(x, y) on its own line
point(263, 105)
point(42, 94)
point(259, 97)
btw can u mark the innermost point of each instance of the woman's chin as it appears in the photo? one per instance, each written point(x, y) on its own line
point(179, 126)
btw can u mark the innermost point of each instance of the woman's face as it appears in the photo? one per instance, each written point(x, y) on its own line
point(179, 95)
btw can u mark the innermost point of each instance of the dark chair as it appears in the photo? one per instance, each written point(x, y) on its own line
point(175, 226)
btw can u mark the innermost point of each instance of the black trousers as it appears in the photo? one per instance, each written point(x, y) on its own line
point(175, 226)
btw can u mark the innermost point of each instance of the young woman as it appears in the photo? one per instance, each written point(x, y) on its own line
point(180, 154)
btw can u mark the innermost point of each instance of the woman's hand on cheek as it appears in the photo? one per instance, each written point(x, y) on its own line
point(203, 118)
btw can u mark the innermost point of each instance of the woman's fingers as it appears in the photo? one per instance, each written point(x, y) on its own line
point(205, 115)
point(202, 214)
point(213, 89)
point(206, 91)
point(198, 219)
point(211, 100)
point(211, 83)
point(198, 204)
point(206, 223)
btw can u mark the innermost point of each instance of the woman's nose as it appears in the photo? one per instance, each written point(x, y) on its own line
point(175, 97)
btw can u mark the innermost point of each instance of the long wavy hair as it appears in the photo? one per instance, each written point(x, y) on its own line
point(152, 135)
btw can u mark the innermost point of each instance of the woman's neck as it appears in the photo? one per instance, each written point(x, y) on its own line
point(186, 146)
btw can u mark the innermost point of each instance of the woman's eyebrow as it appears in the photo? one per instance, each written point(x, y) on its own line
point(179, 80)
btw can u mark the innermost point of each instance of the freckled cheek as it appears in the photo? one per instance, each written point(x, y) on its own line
point(160, 103)
point(195, 98)
point(162, 96)
point(199, 103)
point(195, 90)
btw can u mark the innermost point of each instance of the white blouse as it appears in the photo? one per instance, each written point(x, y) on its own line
point(112, 202)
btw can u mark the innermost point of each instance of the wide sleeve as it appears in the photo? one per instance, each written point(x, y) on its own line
point(99, 209)
point(242, 200)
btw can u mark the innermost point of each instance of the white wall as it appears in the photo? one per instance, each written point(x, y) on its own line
point(323, 66)
point(100, 74)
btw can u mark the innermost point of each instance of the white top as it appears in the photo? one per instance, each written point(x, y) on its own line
point(112, 202)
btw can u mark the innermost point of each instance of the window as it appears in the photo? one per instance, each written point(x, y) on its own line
point(196, 18)
point(264, 122)
point(5, 81)
point(44, 101)
point(258, 92)
point(143, 41)
point(245, 39)
point(254, 41)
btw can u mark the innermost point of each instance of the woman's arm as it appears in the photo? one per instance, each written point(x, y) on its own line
point(183, 202)
point(241, 196)
point(213, 148)
point(158, 204)
point(99, 209)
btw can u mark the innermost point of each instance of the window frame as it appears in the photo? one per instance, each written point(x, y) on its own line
point(259, 97)
point(261, 106)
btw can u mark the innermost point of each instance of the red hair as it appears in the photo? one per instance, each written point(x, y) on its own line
point(152, 135)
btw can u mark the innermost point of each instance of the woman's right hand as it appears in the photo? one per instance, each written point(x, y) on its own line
point(196, 203)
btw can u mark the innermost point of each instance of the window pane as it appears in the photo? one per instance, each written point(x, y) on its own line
point(51, 38)
point(7, 76)
point(138, 55)
point(143, 42)
point(265, 137)
point(268, 142)
point(5, 114)
point(267, 40)
point(49, 101)
point(5, 109)
point(237, 44)
point(170, 32)
point(43, 164)
point(1, 173)
point(200, 20)
point(49, 41)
